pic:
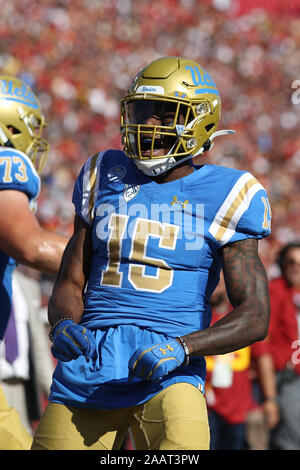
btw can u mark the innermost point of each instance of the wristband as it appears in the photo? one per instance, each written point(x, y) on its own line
point(186, 350)
point(55, 325)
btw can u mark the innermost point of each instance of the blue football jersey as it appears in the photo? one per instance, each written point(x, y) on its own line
point(155, 263)
point(156, 246)
point(16, 173)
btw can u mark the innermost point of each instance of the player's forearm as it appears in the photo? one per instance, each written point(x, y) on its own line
point(247, 288)
point(241, 327)
point(43, 251)
point(266, 374)
point(66, 301)
point(23, 239)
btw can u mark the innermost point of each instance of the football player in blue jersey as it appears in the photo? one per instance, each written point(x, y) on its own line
point(129, 313)
point(23, 153)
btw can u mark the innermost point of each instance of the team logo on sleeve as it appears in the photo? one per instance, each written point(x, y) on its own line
point(130, 191)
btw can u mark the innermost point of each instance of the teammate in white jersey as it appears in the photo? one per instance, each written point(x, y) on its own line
point(153, 231)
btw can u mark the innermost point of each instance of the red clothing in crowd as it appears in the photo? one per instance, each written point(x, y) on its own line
point(283, 331)
point(232, 401)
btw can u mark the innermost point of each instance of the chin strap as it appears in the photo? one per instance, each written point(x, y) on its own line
point(158, 166)
point(210, 144)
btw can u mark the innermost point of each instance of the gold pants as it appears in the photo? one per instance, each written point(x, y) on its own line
point(176, 418)
point(13, 435)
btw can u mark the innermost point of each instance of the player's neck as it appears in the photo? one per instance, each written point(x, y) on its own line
point(175, 174)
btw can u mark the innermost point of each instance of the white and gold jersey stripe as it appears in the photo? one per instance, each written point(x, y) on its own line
point(234, 206)
point(90, 186)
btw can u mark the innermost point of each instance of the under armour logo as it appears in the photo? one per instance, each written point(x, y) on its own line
point(175, 201)
point(164, 351)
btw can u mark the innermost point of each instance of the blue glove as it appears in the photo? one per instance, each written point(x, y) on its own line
point(156, 361)
point(71, 340)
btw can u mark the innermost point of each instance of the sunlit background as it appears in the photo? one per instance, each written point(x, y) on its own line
point(80, 55)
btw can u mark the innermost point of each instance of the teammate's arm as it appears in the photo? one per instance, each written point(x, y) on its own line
point(247, 288)
point(22, 237)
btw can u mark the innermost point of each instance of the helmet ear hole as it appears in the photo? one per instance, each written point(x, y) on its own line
point(13, 129)
point(206, 145)
point(209, 126)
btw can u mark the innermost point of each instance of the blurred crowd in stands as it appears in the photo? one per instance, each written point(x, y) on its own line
point(80, 55)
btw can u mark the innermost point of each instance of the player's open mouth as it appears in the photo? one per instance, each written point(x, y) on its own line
point(146, 145)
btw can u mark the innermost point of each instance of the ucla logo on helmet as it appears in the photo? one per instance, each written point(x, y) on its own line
point(203, 80)
point(10, 91)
